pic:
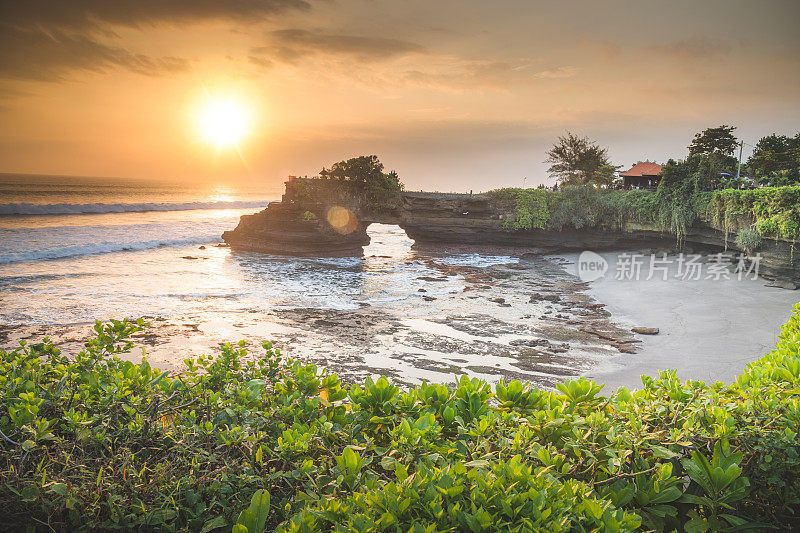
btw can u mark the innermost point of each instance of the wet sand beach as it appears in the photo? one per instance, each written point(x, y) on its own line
point(709, 329)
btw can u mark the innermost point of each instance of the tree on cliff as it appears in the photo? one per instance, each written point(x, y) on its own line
point(577, 161)
point(776, 159)
point(711, 153)
point(366, 172)
point(363, 169)
point(719, 140)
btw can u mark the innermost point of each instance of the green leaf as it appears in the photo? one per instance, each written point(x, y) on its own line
point(388, 463)
point(401, 472)
point(668, 495)
point(158, 378)
point(663, 453)
point(255, 517)
point(161, 516)
point(693, 498)
point(696, 525)
point(214, 523)
point(58, 488)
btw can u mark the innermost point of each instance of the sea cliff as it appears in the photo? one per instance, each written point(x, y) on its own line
point(328, 217)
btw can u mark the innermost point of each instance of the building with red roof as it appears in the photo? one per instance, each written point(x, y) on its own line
point(642, 175)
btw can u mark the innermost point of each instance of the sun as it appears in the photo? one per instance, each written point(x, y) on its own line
point(224, 122)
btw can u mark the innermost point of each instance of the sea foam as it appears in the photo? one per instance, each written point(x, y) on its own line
point(28, 209)
point(64, 252)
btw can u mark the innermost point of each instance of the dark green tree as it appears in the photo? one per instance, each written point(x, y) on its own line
point(576, 161)
point(719, 140)
point(711, 153)
point(776, 157)
point(363, 169)
point(366, 173)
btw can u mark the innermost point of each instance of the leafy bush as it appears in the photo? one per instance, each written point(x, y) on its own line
point(95, 442)
point(674, 207)
point(748, 240)
point(775, 211)
point(588, 207)
point(531, 210)
point(574, 207)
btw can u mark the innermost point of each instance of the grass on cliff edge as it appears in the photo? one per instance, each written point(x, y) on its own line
point(95, 442)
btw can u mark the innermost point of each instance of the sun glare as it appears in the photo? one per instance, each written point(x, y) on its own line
point(224, 122)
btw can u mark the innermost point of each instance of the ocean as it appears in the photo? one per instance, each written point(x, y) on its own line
point(73, 250)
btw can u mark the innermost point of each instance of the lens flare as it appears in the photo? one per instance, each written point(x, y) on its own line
point(342, 220)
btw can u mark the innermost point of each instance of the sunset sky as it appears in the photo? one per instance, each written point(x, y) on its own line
point(454, 95)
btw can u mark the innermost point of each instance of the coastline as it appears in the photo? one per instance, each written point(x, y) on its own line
point(531, 320)
point(709, 329)
point(528, 320)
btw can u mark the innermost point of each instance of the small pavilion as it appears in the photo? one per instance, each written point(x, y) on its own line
point(642, 175)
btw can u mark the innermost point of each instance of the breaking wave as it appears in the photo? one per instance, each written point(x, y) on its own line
point(27, 209)
point(101, 248)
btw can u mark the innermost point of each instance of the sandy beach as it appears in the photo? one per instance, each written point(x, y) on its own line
point(709, 329)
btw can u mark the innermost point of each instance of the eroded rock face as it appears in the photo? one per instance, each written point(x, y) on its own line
point(459, 219)
point(779, 258)
point(302, 224)
point(432, 219)
point(285, 230)
point(314, 217)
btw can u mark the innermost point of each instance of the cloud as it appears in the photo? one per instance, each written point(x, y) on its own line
point(293, 45)
point(51, 56)
point(261, 62)
point(692, 50)
point(95, 15)
point(458, 74)
point(46, 40)
point(412, 64)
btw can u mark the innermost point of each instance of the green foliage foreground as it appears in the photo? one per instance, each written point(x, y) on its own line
point(93, 441)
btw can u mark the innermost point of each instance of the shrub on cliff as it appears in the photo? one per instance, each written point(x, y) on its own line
point(93, 441)
point(573, 207)
point(367, 175)
point(775, 211)
point(531, 207)
point(587, 207)
point(748, 240)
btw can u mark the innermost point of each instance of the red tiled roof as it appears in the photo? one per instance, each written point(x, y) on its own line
point(642, 169)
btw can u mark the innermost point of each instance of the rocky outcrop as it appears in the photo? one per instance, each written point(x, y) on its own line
point(464, 219)
point(322, 217)
point(314, 217)
point(287, 230)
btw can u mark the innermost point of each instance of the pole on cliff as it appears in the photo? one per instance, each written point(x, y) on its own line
point(739, 168)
